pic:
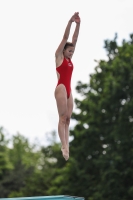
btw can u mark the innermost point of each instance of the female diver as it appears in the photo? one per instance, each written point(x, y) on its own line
point(63, 94)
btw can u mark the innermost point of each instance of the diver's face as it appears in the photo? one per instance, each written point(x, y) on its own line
point(68, 52)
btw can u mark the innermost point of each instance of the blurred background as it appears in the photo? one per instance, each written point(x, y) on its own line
point(101, 133)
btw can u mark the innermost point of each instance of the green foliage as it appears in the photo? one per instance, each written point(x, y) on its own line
point(14, 180)
point(23, 160)
point(5, 165)
point(101, 152)
point(100, 165)
point(39, 183)
point(23, 152)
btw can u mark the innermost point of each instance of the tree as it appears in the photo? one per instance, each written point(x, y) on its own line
point(34, 168)
point(5, 165)
point(24, 160)
point(41, 181)
point(100, 165)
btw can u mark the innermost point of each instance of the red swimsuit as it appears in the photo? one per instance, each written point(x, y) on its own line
point(65, 71)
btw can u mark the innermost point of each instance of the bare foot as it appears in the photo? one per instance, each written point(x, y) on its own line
point(65, 153)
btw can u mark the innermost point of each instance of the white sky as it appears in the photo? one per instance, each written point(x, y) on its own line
point(30, 31)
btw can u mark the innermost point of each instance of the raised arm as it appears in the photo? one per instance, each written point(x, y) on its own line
point(76, 32)
point(60, 48)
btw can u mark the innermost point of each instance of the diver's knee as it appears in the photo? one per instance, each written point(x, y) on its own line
point(63, 119)
point(68, 121)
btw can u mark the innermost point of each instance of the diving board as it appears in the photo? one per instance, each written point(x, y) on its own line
point(60, 197)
